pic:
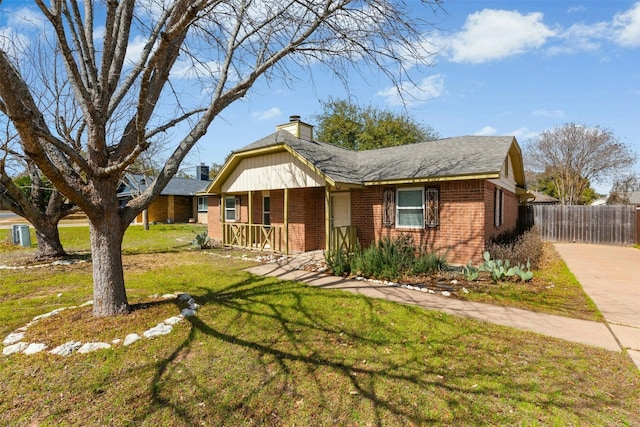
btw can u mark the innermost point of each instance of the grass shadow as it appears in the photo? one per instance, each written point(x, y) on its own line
point(385, 363)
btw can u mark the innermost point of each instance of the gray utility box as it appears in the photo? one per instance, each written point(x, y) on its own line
point(21, 235)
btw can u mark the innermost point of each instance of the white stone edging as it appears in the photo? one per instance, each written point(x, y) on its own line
point(13, 343)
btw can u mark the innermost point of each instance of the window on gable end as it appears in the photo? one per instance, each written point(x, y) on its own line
point(431, 207)
point(388, 207)
point(506, 167)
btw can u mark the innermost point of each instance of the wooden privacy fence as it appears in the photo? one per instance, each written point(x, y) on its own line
point(614, 225)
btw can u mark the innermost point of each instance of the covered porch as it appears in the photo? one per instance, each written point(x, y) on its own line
point(287, 220)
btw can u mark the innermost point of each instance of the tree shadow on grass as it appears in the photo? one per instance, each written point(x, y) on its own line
point(355, 360)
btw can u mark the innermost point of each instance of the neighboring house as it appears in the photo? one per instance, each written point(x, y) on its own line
point(179, 201)
point(634, 198)
point(287, 192)
point(541, 199)
point(599, 202)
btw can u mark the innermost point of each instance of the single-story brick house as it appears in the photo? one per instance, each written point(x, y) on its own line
point(179, 201)
point(288, 192)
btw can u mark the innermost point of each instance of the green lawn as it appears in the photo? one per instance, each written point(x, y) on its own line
point(265, 352)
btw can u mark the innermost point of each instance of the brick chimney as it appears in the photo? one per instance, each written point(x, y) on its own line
point(298, 128)
point(202, 172)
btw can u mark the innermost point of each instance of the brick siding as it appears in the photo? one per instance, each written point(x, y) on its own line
point(466, 218)
point(177, 209)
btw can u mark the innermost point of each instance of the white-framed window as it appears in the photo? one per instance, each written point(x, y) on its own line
point(431, 208)
point(232, 208)
point(498, 212)
point(203, 203)
point(266, 210)
point(410, 207)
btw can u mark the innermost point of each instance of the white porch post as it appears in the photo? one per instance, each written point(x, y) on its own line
point(327, 217)
point(222, 218)
point(250, 215)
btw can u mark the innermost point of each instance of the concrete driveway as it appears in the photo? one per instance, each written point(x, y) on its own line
point(610, 275)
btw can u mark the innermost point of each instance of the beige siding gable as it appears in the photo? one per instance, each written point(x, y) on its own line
point(271, 172)
point(507, 177)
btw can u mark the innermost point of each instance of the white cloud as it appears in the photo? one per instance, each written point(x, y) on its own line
point(134, 49)
point(13, 43)
point(626, 27)
point(25, 17)
point(486, 131)
point(524, 134)
point(623, 30)
point(269, 114)
point(413, 94)
point(496, 34)
point(581, 37)
point(549, 113)
point(576, 9)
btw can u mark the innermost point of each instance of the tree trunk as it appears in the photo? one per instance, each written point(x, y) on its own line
point(49, 245)
point(109, 294)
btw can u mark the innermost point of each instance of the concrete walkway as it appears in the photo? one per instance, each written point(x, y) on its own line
point(575, 330)
point(610, 275)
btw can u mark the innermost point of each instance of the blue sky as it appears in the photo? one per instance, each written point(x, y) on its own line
point(503, 68)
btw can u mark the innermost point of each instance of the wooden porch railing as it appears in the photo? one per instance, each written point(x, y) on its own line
point(254, 236)
point(343, 238)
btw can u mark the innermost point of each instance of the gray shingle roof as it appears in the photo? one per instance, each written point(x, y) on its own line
point(460, 156)
point(137, 183)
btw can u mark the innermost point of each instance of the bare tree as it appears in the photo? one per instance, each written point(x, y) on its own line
point(574, 155)
point(125, 101)
point(37, 200)
point(622, 189)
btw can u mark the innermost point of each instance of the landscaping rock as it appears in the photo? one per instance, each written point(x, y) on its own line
point(184, 297)
point(93, 346)
point(66, 349)
point(14, 348)
point(34, 348)
point(173, 320)
point(188, 312)
point(159, 329)
point(13, 338)
point(131, 338)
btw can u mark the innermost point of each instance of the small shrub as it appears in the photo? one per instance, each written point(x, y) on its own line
point(427, 262)
point(202, 240)
point(502, 270)
point(470, 272)
point(520, 250)
point(391, 259)
point(338, 262)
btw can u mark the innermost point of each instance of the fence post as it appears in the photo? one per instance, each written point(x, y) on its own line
point(637, 225)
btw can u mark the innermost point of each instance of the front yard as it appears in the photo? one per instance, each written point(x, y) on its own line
point(261, 351)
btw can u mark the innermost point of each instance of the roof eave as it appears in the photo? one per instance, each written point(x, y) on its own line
point(431, 179)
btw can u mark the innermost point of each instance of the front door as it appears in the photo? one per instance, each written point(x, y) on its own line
point(340, 210)
point(342, 234)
